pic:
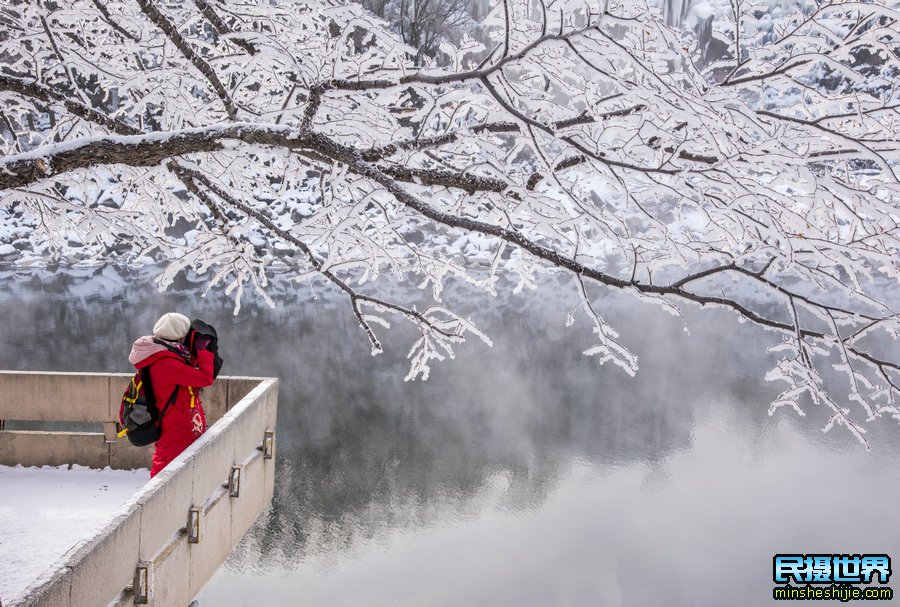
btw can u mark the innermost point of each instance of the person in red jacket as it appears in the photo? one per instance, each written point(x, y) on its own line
point(172, 366)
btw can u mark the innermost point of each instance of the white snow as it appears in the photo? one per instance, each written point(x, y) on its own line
point(47, 511)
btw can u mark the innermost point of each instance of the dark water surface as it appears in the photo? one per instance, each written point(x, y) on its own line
point(519, 474)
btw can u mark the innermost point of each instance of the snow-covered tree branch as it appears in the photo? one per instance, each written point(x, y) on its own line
point(303, 137)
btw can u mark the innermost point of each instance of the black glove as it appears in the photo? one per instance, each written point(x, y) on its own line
point(200, 328)
point(201, 342)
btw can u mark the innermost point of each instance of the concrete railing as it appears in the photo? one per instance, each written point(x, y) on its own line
point(85, 397)
point(165, 543)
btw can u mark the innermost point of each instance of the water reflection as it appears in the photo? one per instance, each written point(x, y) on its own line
point(521, 474)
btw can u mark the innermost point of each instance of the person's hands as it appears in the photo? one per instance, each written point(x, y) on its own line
point(201, 342)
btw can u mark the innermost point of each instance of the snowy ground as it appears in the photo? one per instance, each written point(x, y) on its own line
point(46, 511)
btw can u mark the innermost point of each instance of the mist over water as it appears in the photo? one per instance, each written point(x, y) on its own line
point(518, 474)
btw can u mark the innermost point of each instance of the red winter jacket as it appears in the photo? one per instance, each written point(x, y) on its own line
point(184, 421)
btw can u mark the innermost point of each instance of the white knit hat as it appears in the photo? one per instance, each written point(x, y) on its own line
point(172, 326)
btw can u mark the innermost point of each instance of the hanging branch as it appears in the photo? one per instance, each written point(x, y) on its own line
point(171, 32)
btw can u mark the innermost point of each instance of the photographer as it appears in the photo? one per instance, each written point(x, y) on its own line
point(181, 361)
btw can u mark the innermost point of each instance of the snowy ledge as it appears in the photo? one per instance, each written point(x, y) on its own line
point(48, 510)
point(162, 545)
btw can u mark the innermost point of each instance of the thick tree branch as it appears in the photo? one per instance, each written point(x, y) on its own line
point(222, 28)
point(112, 22)
point(21, 170)
point(449, 179)
point(171, 32)
point(46, 94)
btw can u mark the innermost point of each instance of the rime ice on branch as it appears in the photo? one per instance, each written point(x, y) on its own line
point(587, 140)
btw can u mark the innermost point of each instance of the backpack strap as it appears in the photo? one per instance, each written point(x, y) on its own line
point(151, 397)
point(147, 385)
point(170, 401)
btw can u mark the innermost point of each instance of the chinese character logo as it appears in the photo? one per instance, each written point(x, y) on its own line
point(842, 577)
point(832, 568)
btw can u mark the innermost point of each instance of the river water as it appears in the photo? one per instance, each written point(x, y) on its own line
point(518, 474)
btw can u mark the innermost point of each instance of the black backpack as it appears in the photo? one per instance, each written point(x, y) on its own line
point(139, 417)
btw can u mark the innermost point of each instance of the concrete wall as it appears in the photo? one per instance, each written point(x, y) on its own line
point(151, 530)
point(85, 397)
